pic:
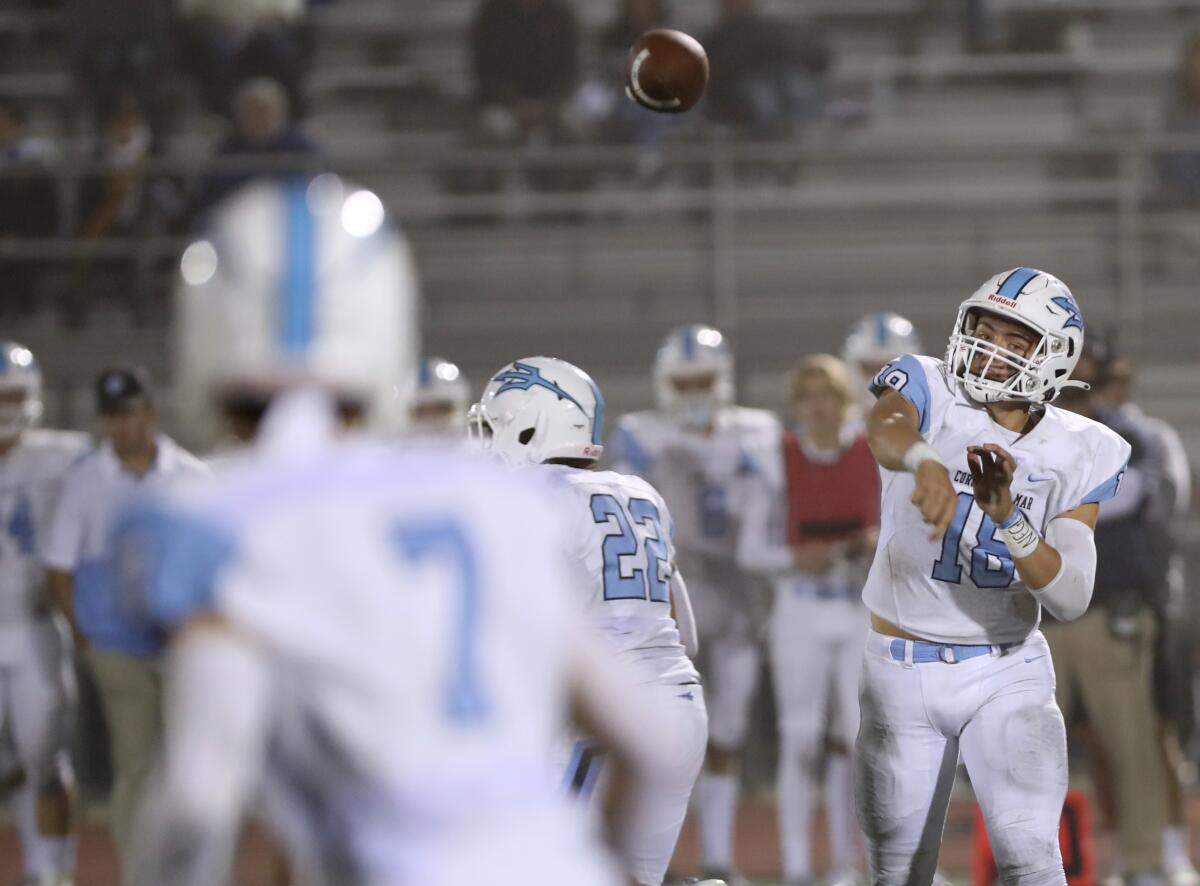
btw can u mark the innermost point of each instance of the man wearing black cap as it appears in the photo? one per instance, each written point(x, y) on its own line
point(132, 456)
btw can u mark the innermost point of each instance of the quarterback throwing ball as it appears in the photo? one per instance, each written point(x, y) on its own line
point(990, 496)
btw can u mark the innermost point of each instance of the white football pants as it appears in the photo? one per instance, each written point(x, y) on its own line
point(998, 709)
point(816, 656)
point(659, 805)
point(730, 658)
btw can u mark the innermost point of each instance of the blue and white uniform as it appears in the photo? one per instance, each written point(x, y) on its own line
point(963, 588)
point(703, 478)
point(621, 556)
point(34, 681)
point(989, 691)
point(417, 647)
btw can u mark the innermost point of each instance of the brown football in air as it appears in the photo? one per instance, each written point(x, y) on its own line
point(667, 71)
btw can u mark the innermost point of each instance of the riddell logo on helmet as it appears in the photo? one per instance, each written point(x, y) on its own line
point(591, 451)
point(1007, 302)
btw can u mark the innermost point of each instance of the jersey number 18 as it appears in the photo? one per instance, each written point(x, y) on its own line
point(991, 565)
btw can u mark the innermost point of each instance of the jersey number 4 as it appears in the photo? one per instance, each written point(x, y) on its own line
point(640, 525)
point(991, 565)
point(20, 526)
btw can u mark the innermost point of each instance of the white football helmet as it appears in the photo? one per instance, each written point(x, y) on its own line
point(300, 281)
point(440, 399)
point(879, 338)
point(538, 409)
point(689, 355)
point(20, 376)
point(1038, 301)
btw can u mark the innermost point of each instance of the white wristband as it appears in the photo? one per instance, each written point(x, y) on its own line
point(1019, 536)
point(920, 452)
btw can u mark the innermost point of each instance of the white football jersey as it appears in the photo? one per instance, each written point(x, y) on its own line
point(31, 476)
point(963, 588)
point(701, 476)
point(412, 602)
point(619, 546)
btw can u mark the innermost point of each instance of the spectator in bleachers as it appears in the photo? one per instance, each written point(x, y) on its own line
point(29, 205)
point(120, 199)
point(227, 42)
point(1180, 170)
point(120, 46)
point(262, 127)
point(768, 76)
point(525, 60)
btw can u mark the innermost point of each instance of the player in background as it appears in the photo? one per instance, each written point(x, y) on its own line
point(1105, 660)
point(874, 340)
point(1174, 650)
point(697, 450)
point(374, 638)
point(440, 399)
point(811, 523)
point(35, 650)
point(990, 497)
point(544, 411)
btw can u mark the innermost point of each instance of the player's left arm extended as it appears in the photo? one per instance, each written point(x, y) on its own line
point(1060, 569)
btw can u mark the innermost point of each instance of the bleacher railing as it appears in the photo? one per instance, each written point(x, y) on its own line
point(715, 190)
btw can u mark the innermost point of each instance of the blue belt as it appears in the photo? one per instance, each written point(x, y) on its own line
point(950, 653)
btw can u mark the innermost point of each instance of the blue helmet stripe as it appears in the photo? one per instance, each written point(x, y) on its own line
point(299, 276)
point(425, 373)
point(598, 418)
point(881, 328)
point(1015, 282)
point(688, 336)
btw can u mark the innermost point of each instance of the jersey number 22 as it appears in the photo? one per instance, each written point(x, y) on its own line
point(641, 524)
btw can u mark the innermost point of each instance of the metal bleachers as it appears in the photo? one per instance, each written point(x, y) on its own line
point(963, 165)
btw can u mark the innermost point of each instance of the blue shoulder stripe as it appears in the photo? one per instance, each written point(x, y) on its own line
point(907, 376)
point(1107, 489)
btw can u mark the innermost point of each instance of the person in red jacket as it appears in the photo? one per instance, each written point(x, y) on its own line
point(812, 521)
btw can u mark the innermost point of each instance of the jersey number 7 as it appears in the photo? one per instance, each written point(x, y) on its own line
point(641, 525)
point(447, 543)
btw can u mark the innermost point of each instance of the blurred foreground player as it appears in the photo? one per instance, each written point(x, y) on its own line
point(440, 400)
point(1011, 486)
point(375, 640)
point(34, 646)
point(811, 523)
point(544, 411)
point(696, 449)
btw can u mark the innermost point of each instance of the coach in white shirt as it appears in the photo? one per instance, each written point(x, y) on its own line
point(77, 554)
